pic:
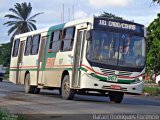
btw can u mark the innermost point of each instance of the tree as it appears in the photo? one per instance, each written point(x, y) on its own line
point(110, 15)
point(156, 1)
point(5, 54)
point(153, 42)
point(21, 21)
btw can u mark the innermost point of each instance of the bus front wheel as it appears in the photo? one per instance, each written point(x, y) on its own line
point(27, 87)
point(116, 97)
point(67, 92)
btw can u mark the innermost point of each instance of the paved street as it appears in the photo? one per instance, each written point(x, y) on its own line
point(49, 105)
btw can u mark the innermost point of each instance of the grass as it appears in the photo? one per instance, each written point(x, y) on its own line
point(4, 115)
point(152, 90)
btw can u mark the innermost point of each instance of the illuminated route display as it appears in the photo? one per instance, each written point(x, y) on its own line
point(112, 24)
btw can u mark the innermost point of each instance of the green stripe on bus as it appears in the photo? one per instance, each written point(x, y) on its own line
point(34, 69)
point(84, 69)
point(47, 69)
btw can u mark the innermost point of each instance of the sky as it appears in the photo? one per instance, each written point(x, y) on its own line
point(139, 11)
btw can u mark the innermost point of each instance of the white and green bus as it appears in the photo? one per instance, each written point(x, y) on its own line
point(95, 55)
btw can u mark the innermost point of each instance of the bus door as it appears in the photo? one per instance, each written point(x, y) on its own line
point(20, 62)
point(41, 57)
point(78, 54)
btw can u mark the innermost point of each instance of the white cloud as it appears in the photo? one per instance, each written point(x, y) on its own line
point(105, 3)
point(80, 14)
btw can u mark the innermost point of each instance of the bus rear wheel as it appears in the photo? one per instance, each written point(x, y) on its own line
point(27, 87)
point(67, 92)
point(116, 97)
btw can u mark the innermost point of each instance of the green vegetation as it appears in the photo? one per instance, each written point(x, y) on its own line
point(7, 116)
point(156, 1)
point(20, 19)
point(152, 90)
point(5, 53)
point(153, 40)
point(110, 15)
point(6, 76)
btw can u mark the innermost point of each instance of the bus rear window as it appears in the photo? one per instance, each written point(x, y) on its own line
point(35, 45)
point(28, 45)
point(15, 48)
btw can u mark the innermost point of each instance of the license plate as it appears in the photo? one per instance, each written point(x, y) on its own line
point(112, 78)
point(116, 87)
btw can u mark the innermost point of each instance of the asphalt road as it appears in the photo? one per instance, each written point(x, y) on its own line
point(48, 105)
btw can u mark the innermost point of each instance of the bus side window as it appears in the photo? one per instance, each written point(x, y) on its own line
point(35, 45)
point(28, 46)
point(55, 41)
point(15, 48)
point(68, 39)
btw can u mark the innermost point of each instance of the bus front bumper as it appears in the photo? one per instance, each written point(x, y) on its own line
point(89, 82)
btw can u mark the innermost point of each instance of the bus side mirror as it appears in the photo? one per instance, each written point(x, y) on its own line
point(88, 35)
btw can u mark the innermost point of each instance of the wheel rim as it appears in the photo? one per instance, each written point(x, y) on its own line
point(27, 84)
point(66, 87)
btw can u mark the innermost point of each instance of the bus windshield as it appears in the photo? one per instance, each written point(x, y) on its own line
point(116, 49)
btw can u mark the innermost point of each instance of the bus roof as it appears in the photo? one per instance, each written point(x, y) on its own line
point(31, 33)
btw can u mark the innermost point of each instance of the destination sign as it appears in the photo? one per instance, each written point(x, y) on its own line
point(118, 24)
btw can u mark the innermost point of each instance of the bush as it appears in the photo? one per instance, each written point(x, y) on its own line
point(152, 90)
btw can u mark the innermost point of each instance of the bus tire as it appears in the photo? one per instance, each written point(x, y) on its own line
point(116, 97)
point(27, 87)
point(1, 79)
point(67, 92)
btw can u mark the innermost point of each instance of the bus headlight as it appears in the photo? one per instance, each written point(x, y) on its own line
point(141, 78)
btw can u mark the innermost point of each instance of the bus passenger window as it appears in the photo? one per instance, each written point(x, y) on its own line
point(28, 46)
point(55, 41)
point(15, 48)
point(35, 45)
point(68, 39)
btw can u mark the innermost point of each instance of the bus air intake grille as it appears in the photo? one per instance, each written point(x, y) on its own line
point(124, 73)
point(114, 72)
point(107, 71)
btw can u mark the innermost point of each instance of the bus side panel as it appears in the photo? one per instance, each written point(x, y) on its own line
point(52, 78)
point(13, 69)
point(62, 62)
point(30, 65)
point(33, 78)
point(22, 77)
